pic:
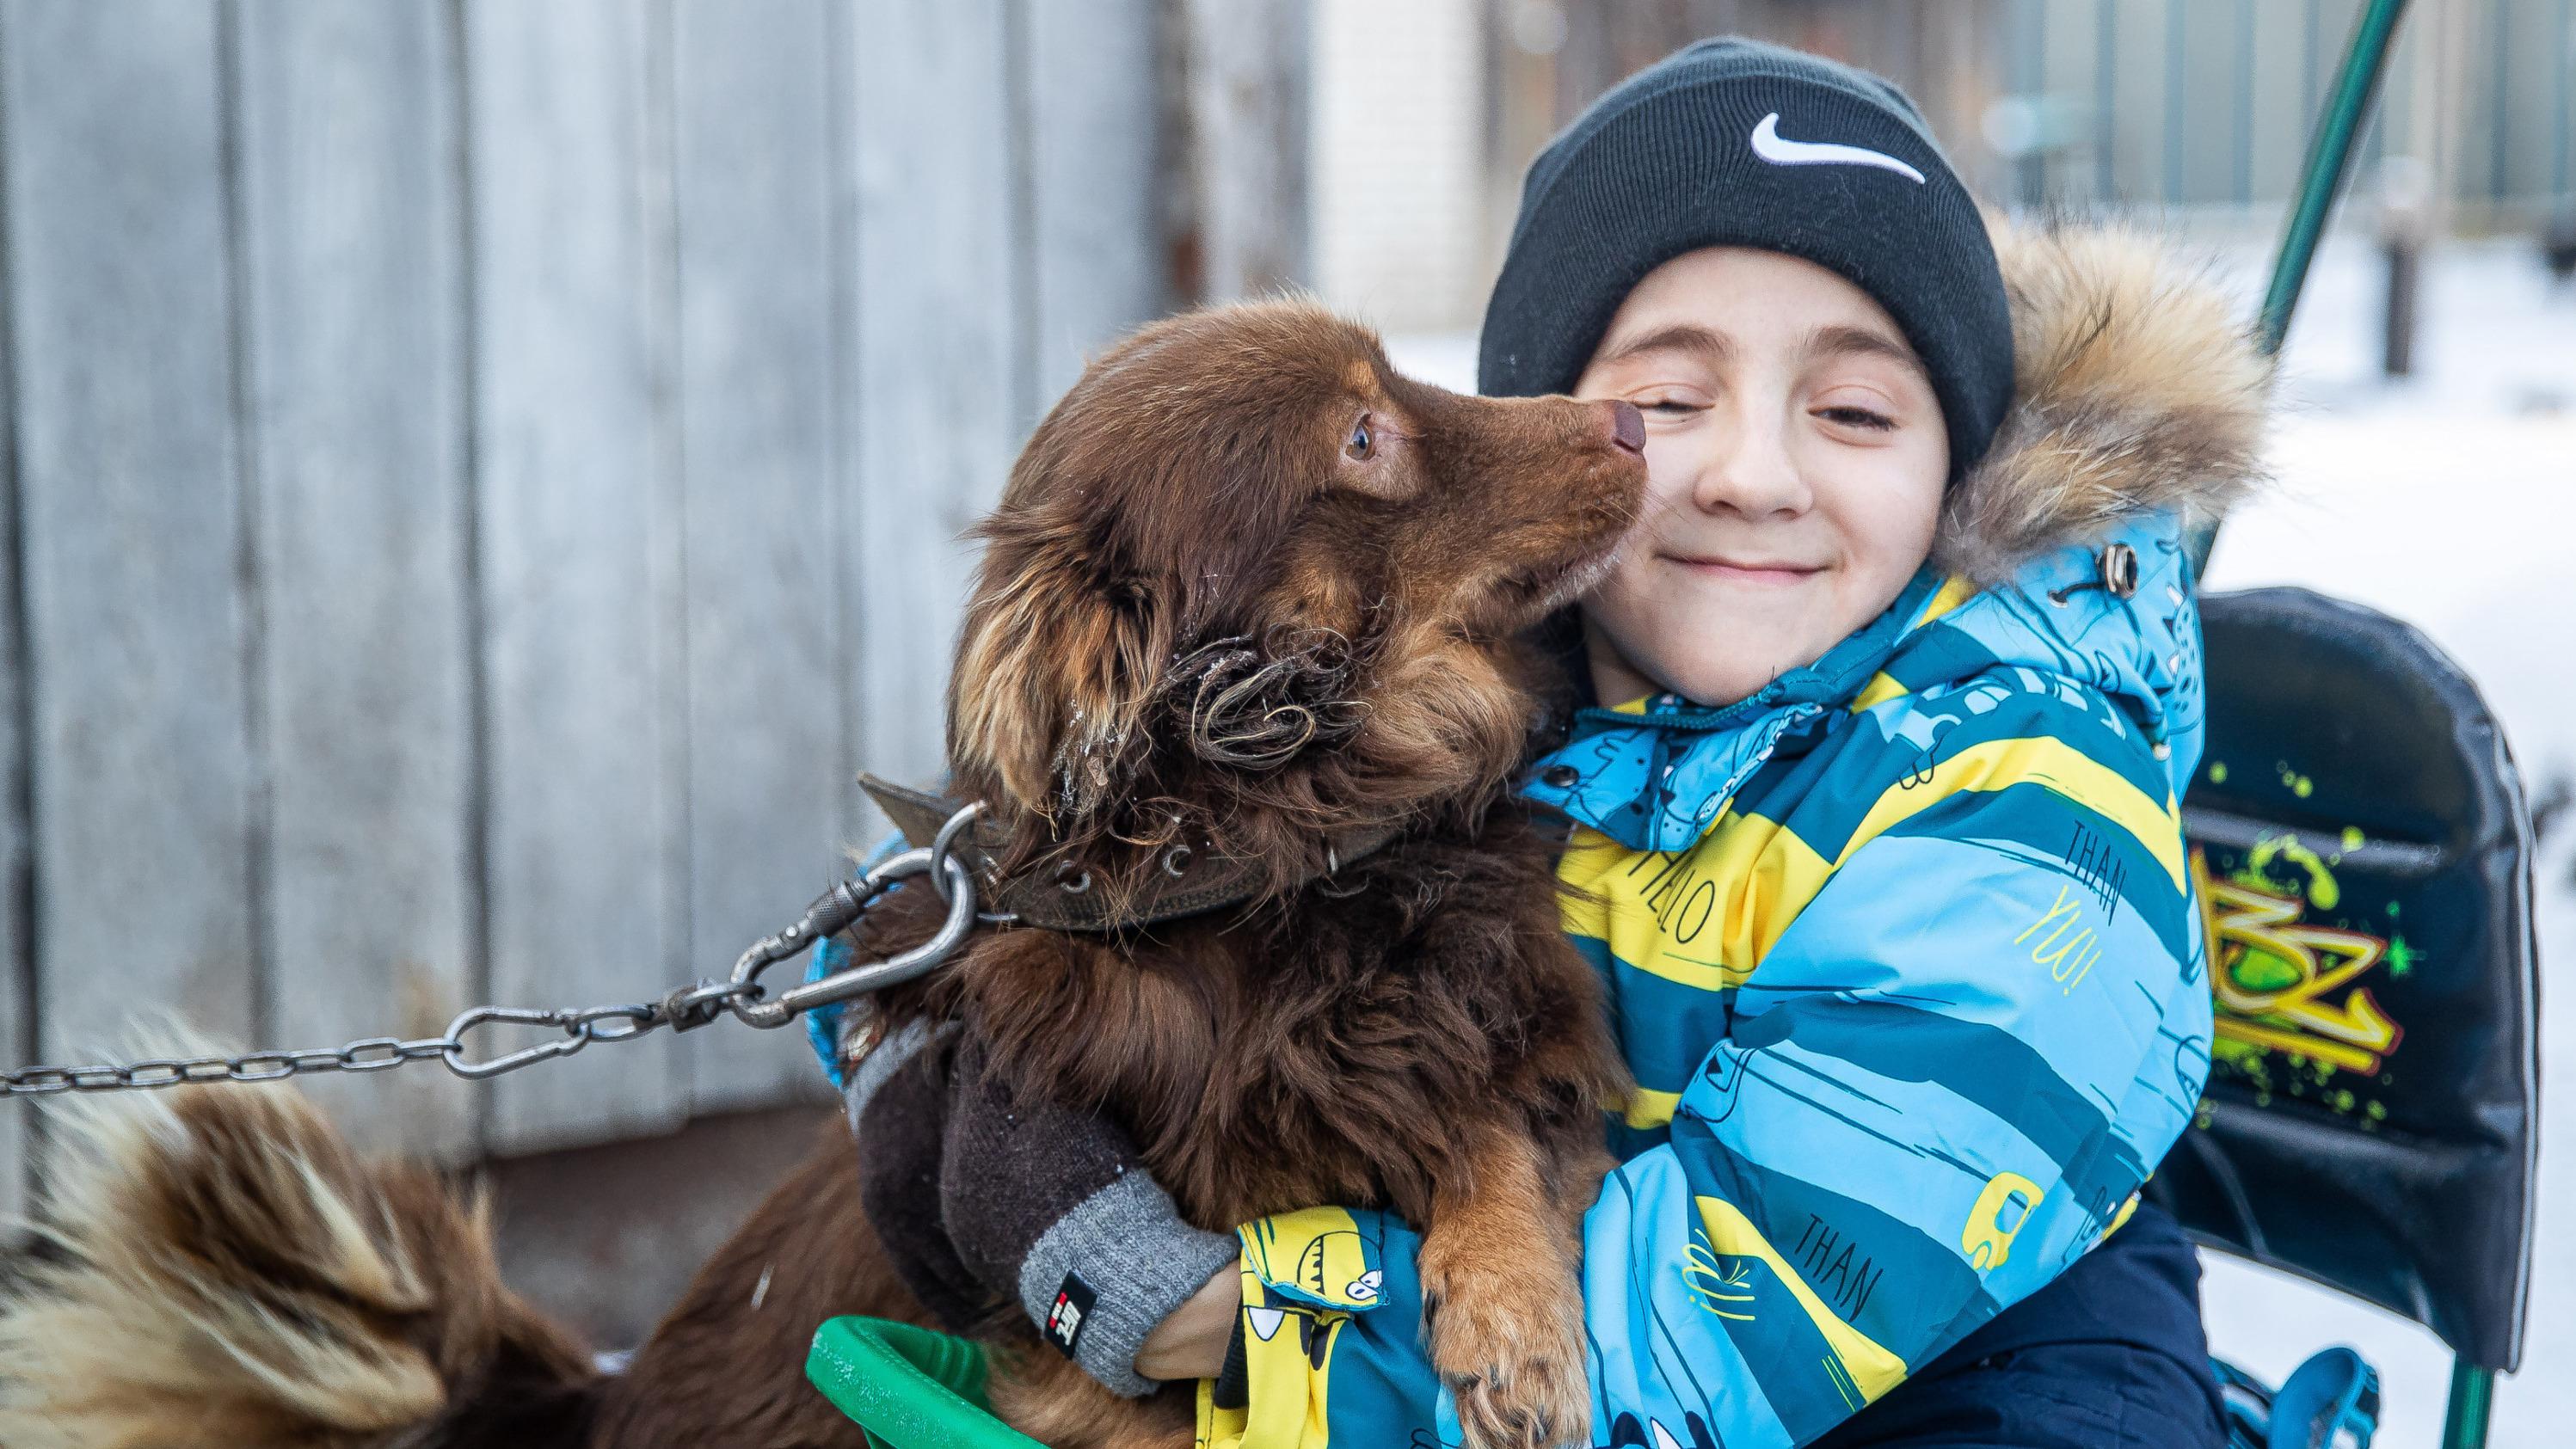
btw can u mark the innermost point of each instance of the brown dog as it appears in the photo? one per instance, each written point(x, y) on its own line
point(1249, 606)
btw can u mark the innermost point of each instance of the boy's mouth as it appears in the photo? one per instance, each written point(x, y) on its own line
point(1758, 571)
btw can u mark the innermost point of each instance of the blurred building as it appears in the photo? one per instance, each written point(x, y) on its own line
point(1427, 111)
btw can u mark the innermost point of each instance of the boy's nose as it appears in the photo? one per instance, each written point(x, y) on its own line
point(1628, 427)
point(1751, 473)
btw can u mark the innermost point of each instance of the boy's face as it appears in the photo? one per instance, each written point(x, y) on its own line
point(1795, 457)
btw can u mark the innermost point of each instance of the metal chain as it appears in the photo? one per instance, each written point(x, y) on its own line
point(686, 1009)
point(371, 1055)
point(691, 1006)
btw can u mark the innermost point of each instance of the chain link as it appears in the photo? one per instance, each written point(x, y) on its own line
point(685, 1009)
point(371, 1054)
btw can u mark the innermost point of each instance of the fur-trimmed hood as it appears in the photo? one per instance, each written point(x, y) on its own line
point(2138, 389)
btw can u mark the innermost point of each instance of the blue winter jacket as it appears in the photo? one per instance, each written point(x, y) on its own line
point(1902, 950)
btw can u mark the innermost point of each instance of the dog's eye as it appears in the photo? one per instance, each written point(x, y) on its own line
point(1360, 443)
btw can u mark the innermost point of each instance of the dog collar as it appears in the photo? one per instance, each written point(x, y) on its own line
point(1191, 882)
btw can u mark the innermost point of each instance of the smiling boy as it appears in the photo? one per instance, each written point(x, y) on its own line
point(1796, 458)
point(1875, 834)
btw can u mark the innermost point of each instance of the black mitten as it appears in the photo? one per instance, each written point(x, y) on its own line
point(898, 1104)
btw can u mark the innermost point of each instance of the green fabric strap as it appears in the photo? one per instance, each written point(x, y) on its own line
point(909, 1388)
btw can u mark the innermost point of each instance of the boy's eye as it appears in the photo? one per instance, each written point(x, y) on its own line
point(1853, 417)
point(1671, 405)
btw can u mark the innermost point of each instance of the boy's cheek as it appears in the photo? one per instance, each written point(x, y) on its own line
point(1659, 629)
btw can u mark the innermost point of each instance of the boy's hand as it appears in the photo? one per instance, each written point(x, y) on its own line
point(1192, 1342)
point(1012, 1198)
point(1015, 1199)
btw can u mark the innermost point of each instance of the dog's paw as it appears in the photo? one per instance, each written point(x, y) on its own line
point(1512, 1360)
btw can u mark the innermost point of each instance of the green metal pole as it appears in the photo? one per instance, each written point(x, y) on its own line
point(2464, 1426)
point(2329, 156)
point(2320, 182)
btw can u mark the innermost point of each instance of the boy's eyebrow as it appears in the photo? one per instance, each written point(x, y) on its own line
point(1673, 337)
point(1843, 339)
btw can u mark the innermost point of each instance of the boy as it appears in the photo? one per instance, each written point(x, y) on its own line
point(1876, 836)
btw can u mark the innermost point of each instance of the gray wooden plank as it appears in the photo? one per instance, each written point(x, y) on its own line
point(1095, 176)
point(570, 208)
point(17, 964)
point(131, 497)
point(937, 347)
point(2280, 120)
point(1248, 79)
point(353, 310)
point(751, 132)
point(16, 1029)
point(2138, 96)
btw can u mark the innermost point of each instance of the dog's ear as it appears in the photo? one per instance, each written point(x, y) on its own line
point(1055, 673)
point(1252, 704)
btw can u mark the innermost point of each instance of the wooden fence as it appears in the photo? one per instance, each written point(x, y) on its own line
point(484, 475)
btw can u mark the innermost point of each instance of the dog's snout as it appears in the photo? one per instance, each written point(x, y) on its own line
point(1628, 427)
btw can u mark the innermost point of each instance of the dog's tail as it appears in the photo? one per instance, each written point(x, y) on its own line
point(215, 1267)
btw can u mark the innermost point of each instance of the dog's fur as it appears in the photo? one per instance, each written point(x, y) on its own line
point(1198, 622)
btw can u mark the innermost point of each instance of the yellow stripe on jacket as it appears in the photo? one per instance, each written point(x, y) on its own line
point(1871, 1368)
point(1704, 918)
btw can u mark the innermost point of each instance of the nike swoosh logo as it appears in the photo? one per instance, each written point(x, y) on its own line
point(1779, 150)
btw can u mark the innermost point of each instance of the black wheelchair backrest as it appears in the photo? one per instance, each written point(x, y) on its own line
point(2362, 855)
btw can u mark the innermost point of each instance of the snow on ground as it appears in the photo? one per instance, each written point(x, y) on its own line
point(2448, 500)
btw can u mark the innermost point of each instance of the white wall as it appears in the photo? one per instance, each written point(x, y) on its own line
point(1398, 163)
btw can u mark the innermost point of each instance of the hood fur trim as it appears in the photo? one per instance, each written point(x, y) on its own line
point(2137, 387)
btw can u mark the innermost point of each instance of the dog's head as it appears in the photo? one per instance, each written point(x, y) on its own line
point(1249, 583)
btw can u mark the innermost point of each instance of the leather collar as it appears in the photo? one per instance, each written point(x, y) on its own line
point(1191, 882)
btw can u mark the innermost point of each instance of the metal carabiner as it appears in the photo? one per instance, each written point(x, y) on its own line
point(945, 840)
point(858, 980)
point(574, 1039)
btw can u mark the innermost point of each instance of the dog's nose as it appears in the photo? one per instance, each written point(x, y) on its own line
point(1628, 427)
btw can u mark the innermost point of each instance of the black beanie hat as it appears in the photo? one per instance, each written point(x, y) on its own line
point(1731, 142)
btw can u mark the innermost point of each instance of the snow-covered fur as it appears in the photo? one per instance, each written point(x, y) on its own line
point(2137, 388)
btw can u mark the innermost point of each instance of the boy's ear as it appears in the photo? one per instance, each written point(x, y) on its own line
point(1054, 676)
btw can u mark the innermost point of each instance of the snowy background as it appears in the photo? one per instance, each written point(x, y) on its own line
point(2447, 499)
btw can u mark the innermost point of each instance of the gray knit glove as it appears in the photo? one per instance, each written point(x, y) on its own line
point(983, 1197)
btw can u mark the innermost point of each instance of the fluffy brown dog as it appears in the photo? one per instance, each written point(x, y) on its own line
point(1251, 597)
